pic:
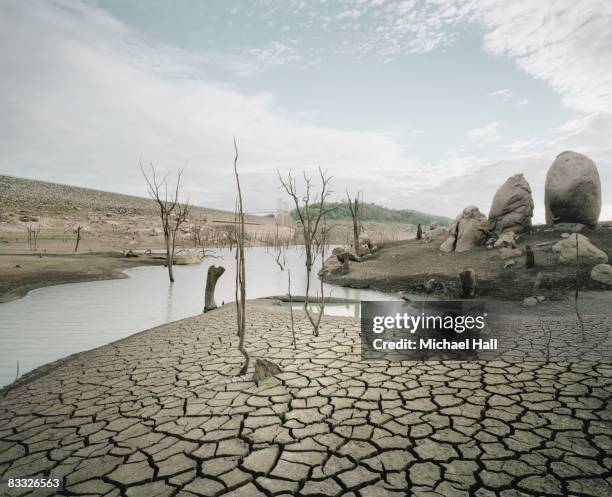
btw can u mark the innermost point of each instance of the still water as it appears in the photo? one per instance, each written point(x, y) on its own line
point(53, 322)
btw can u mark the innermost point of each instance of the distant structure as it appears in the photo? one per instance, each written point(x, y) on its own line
point(283, 213)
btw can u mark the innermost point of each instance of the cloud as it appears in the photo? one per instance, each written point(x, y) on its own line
point(82, 97)
point(504, 93)
point(564, 42)
point(82, 111)
point(486, 133)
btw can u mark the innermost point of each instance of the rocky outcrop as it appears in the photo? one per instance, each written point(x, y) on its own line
point(602, 273)
point(468, 231)
point(572, 192)
point(588, 254)
point(512, 207)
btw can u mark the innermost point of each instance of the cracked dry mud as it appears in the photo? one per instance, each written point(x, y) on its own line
point(160, 413)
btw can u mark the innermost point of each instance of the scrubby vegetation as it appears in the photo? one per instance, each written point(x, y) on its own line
point(374, 212)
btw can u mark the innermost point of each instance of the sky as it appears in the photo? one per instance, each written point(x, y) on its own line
point(419, 104)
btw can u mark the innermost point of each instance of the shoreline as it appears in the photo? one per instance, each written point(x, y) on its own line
point(22, 273)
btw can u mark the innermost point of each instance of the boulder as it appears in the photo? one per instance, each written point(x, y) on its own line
point(572, 193)
point(506, 240)
point(509, 253)
point(588, 254)
point(602, 273)
point(530, 302)
point(431, 235)
point(512, 207)
point(468, 231)
point(264, 369)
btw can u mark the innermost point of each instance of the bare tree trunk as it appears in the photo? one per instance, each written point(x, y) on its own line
point(214, 273)
point(169, 260)
point(419, 235)
point(354, 208)
point(580, 321)
point(78, 238)
point(240, 272)
point(291, 308)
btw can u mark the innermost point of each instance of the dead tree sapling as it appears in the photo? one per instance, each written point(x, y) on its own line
point(311, 218)
point(172, 212)
point(240, 269)
point(33, 233)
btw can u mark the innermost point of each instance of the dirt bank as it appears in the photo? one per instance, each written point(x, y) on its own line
point(21, 273)
point(408, 266)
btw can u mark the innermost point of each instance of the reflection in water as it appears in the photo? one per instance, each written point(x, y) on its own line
point(53, 322)
point(169, 302)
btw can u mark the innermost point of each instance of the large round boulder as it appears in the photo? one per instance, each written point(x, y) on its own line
point(468, 231)
point(512, 207)
point(572, 193)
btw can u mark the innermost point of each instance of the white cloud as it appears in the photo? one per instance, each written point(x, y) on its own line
point(79, 112)
point(349, 14)
point(522, 102)
point(504, 93)
point(487, 133)
point(564, 42)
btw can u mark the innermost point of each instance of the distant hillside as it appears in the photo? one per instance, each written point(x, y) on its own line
point(374, 212)
point(54, 198)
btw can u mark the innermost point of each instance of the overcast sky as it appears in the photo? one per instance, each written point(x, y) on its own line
point(420, 104)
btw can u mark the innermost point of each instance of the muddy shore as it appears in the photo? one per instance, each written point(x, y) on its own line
point(21, 273)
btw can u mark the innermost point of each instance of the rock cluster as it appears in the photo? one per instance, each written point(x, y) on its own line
point(512, 207)
point(468, 231)
point(573, 190)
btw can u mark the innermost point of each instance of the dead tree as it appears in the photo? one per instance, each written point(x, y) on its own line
point(77, 231)
point(311, 217)
point(355, 209)
point(240, 269)
point(173, 214)
point(213, 275)
point(419, 235)
point(33, 233)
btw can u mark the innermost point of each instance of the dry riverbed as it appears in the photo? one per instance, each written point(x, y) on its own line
point(162, 413)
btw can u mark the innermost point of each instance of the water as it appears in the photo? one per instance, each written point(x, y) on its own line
point(53, 322)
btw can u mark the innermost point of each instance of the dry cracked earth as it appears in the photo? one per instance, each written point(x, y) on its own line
point(162, 413)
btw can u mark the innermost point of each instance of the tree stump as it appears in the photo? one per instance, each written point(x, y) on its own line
point(345, 265)
point(529, 257)
point(214, 273)
point(468, 283)
point(419, 232)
